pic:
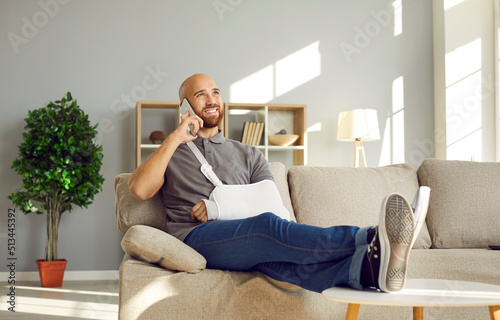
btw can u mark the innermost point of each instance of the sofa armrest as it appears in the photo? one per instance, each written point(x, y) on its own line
point(155, 246)
point(130, 211)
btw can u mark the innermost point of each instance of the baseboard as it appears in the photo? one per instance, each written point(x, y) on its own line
point(68, 275)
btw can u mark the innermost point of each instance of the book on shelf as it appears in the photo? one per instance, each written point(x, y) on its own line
point(259, 133)
point(244, 132)
point(252, 133)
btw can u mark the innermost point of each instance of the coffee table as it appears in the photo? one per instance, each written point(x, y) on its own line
point(420, 293)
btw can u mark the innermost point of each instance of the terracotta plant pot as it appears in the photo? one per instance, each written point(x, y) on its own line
point(51, 272)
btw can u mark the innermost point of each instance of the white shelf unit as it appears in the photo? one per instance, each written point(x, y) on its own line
point(291, 117)
point(294, 119)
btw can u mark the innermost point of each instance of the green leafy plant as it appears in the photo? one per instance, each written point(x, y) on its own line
point(59, 162)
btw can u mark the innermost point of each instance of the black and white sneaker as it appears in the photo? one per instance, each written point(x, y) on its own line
point(387, 254)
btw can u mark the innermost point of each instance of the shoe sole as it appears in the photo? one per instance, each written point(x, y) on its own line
point(421, 206)
point(396, 229)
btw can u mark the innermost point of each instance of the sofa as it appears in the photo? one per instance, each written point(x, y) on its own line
point(162, 278)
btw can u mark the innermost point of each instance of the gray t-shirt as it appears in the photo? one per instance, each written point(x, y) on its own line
point(233, 162)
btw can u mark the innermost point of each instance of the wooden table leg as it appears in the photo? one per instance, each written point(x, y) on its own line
point(418, 313)
point(352, 311)
point(495, 312)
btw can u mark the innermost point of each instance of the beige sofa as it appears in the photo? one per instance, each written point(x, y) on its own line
point(463, 219)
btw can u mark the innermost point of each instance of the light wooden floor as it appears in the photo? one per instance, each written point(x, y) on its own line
point(74, 300)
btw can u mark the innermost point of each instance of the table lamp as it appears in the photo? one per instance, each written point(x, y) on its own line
point(358, 125)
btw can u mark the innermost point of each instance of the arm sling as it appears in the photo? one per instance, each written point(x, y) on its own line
point(228, 202)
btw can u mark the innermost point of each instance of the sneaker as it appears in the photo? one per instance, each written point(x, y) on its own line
point(388, 252)
point(420, 205)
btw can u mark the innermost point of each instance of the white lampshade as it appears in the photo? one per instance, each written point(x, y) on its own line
point(358, 124)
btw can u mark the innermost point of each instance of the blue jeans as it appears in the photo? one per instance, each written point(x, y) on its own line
point(311, 257)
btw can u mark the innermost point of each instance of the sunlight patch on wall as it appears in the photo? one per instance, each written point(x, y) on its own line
point(451, 3)
point(315, 127)
point(297, 69)
point(468, 148)
point(398, 137)
point(279, 78)
point(464, 102)
point(463, 62)
point(463, 118)
point(398, 17)
point(393, 138)
point(385, 152)
point(256, 88)
point(398, 95)
point(398, 121)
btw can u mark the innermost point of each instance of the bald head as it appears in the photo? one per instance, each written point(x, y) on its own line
point(189, 86)
point(205, 99)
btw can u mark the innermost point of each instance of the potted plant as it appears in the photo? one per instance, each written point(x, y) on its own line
point(59, 162)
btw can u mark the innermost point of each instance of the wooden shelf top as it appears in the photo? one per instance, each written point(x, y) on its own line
point(158, 104)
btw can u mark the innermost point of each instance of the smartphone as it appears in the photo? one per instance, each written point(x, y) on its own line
point(185, 106)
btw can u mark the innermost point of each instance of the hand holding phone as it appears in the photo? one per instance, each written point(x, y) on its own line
point(185, 106)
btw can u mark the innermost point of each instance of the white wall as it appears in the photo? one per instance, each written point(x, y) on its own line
point(330, 55)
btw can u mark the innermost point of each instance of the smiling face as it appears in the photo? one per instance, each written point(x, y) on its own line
point(204, 96)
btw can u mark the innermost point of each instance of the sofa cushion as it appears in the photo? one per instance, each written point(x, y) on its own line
point(328, 196)
point(158, 247)
point(464, 210)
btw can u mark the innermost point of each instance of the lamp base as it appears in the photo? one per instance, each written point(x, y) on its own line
point(358, 147)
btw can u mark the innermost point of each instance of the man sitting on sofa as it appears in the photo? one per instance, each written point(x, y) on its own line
point(287, 251)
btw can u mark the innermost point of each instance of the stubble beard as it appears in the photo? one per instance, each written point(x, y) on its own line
point(212, 121)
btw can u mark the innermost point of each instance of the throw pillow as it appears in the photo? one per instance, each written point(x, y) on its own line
point(463, 208)
point(155, 246)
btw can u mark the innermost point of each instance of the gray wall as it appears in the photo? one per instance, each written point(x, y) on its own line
point(111, 53)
